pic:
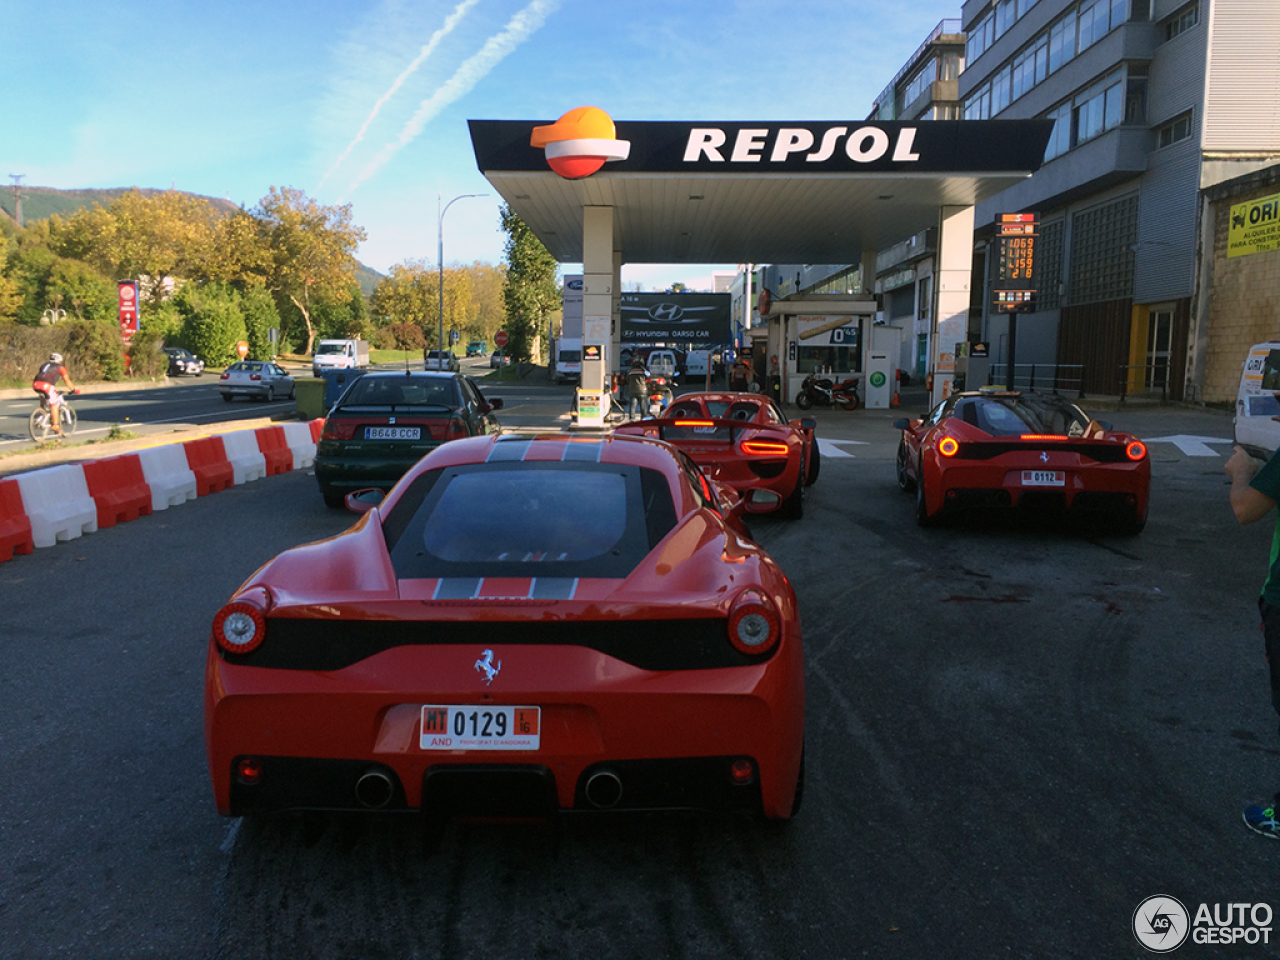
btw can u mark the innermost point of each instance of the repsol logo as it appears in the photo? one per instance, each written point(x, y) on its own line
point(765, 145)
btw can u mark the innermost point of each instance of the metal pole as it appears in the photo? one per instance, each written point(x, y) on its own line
point(440, 255)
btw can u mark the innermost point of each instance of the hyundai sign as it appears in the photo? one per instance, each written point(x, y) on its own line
point(677, 318)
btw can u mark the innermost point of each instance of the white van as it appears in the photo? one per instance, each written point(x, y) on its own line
point(662, 363)
point(1256, 403)
point(696, 363)
point(568, 360)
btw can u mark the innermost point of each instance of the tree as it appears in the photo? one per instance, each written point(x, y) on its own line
point(260, 315)
point(10, 298)
point(212, 322)
point(311, 251)
point(82, 291)
point(530, 293)
point(160, 237)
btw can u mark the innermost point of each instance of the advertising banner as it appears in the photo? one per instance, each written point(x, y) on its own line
point(1254, 226)
point(678, 318)
point(128, 294)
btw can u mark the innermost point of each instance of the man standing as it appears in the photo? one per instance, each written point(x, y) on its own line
point(637, 387)
point(1255, 490)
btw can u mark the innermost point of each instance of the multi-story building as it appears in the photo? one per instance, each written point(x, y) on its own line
point(1154, 100)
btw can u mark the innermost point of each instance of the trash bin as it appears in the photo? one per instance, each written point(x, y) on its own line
point(310, 397)
point(336, 383)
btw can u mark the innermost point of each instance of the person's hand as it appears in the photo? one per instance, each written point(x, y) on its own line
point(1241, 466)
point(75, 392)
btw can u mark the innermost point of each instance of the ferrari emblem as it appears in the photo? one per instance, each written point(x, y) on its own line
point(486, 666)
point(1044, 457)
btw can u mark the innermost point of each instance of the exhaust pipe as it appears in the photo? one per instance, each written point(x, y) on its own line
point(603, 789)
point(374, 789)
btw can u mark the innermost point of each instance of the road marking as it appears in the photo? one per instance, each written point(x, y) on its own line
point(1192, 446)
point(828, 448)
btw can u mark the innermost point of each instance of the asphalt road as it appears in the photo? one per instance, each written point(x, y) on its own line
point(1015, 733)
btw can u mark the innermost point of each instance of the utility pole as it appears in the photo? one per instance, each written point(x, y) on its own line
point(17, 196)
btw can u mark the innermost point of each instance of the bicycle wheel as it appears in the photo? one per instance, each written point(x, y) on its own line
point(68, 420)
point(39, 424)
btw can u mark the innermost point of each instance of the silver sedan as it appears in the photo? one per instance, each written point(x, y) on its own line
point(257, 379)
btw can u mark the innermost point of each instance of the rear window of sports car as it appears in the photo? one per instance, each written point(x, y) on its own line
point(522, 519)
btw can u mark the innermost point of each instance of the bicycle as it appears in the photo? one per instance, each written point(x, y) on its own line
point(40, 424)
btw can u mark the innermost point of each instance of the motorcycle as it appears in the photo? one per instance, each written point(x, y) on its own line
point(822, 392)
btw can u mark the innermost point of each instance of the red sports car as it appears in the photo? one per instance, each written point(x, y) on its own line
point(1022, 449)
point(524, 625)
point(744, 441)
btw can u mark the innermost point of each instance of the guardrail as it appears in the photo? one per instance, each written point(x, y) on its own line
point(1144, 380)
point(1045, 377)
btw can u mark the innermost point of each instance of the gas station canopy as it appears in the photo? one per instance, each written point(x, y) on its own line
point(765, 192)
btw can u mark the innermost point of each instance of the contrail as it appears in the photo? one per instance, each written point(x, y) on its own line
point(520, 27)
point(428, 48)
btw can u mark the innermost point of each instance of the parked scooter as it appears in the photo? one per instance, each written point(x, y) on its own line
point(821, 392)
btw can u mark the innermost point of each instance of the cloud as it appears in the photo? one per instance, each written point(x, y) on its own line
point(428, 48)
point(497, 47)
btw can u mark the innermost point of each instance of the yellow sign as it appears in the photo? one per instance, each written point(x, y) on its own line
point(1254, 226)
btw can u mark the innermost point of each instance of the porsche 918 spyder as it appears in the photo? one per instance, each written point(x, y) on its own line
point(1022, 449)
point(523, 626)
point(744, 441)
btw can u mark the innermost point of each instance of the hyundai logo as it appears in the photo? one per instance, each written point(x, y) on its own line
point(666, 312)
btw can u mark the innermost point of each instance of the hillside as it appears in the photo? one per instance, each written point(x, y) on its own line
point(41, 202)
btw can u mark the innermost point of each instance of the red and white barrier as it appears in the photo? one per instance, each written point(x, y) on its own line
point(41, 507)
point(57, 502)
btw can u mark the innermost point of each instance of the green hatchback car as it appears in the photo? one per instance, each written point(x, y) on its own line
point(387, 421)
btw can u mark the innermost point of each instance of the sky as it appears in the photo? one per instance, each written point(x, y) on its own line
point(366, 103)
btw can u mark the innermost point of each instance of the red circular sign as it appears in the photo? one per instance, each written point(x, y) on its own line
point(500, 338)
point(242, 348)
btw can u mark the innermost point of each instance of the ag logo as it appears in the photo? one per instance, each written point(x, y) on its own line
point(1161, 924)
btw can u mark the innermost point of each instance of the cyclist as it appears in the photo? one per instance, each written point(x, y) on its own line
point(46, 384)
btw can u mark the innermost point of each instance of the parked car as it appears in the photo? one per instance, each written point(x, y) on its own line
point(1256, 427)
point(386, 421)
point(255, 379)
point(183, 362)
point(441, 360)
point(1008, 448)
point(499, 358)
point(523, 626)
point(477, 348)
point(742, 440)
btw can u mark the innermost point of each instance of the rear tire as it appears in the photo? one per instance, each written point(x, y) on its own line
point(39, 424)
point(226, 397)
point(816, 466)
point(793, 507)
point(905, 483)
point(334, 500)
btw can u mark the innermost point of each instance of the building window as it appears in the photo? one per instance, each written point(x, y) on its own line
point(1006, 14)
point(1049, 267)
point(1024, 6)
point(1102, 242)
point(1135, 99)
point(1182, 21)
point(980, 37)
point(978, 106)
point(1060, 139)
point(1030, 66)
point(1098, 109)
point(921, 82)
point(1062, 41)
point(1000, 90)
point(1179, 128)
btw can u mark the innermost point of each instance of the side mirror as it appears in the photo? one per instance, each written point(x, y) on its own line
point(902, 423)
point(362, 501)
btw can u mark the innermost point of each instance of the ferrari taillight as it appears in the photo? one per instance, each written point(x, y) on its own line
point(760, 448)
point(239, 627)
point(948, 446)
point(754, 624)
point(694, 423)
point(1136, 450)
point(456, 429)
point(1042, 436)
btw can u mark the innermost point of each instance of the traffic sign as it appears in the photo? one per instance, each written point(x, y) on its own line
point(242, 348)
point(501, 338)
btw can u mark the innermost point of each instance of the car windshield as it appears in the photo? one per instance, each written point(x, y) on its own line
point(1012, 416)
point(331, 348)
point(525, 519)
point(399, 391)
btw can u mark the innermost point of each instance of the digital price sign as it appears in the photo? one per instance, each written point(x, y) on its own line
point(1017, 237)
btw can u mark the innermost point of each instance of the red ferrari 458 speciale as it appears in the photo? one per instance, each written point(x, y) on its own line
point(523, 626)
point(1005, 448)
point(742, 440)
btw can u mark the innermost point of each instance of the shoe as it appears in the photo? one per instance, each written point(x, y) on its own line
point(1263, 819)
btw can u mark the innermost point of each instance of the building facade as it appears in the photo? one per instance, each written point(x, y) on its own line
point(1153, 101)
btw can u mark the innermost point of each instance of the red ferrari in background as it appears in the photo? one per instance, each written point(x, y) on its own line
point(1022, 449)
point(744, 441)
point(524, 625)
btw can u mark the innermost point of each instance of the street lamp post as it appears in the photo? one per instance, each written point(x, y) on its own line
point(440, 256)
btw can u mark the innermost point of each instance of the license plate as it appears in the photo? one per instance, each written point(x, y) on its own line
point(480, 728)
point(393, 433)
point(1043, 478)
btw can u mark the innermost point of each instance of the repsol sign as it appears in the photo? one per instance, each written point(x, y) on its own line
point(802, 147)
